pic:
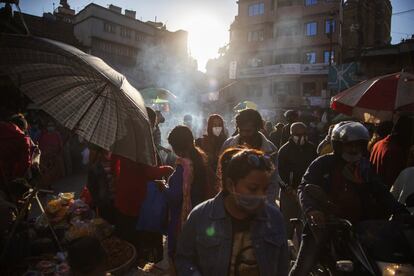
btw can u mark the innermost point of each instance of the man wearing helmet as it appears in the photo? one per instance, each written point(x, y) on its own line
point(350, 184)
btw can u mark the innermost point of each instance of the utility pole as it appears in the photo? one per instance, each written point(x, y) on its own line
point(331, 37)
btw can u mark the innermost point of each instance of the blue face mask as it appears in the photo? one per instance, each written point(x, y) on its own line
point(250, 203)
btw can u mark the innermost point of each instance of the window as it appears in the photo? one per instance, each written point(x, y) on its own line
point(139, 36)
point(311, 28)
point(310, 2)
point(285, 87)
point(288, 30)
point(328, 24)
point(256, 9)
point(255, 62)
point(125, 32)
point(326, 56)
point(310, 57)
point(309, 89)
point(284, 3)
point(286, 58)
point(109, 28)
point(255, 36)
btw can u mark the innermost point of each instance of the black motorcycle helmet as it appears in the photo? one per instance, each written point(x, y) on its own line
point(348, 131)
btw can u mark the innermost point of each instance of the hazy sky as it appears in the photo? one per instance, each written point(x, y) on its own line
point(207, 21)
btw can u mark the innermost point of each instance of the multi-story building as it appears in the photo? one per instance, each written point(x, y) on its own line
point(382, 60)
point(57, 25)
point(283, 49)
point(132, 46)
point(118, 38)
point(365, 23)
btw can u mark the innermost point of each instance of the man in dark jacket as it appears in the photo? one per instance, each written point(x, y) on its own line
point(276, 135)
point(349, 183)
point(291, 116)
point(294, 158)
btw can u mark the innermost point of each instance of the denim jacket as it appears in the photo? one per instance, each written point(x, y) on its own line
point(205, 244)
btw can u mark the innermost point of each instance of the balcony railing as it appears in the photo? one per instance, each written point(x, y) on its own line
point(283, 69)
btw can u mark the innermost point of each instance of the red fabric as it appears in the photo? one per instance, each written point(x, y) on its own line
point(14, 151)
point(342, 108)
point(50, 142)
point(388, 160)
point(381, 95)
point(131, 184)
point(85, 196)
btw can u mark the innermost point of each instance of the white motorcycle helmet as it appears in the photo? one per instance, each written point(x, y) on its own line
point(346, 132)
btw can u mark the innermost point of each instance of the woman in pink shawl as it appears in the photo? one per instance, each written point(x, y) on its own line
point(189, 184)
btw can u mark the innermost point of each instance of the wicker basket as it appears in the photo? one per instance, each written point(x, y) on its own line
point(124, 268)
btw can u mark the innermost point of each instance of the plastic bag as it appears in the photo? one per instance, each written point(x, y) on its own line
point(153, 214)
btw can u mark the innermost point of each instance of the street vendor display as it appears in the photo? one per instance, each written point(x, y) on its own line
point(72, 219)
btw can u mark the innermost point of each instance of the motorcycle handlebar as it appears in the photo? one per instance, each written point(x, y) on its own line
point(335, 222)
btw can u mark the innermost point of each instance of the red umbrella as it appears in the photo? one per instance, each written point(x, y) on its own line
point(377, 99)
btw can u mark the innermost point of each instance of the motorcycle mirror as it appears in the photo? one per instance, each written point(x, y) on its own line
point(345, 265)
point(409, 201)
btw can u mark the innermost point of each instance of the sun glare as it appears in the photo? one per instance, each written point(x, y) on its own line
point(206, 34)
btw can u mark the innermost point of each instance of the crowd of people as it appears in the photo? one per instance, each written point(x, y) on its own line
point(225, 202)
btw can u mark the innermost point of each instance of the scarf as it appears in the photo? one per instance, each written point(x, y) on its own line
point(188, 177)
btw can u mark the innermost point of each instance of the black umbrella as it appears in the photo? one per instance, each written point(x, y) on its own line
point(81, 92)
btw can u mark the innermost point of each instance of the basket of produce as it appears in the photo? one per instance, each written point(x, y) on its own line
point(121, 255)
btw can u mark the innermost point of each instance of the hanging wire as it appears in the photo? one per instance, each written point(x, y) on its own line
point(403, 12)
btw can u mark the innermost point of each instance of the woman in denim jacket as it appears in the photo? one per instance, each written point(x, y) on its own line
point(237, 232)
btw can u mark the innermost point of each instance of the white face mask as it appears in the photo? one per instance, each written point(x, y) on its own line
point(217, 131)
point(299, 140)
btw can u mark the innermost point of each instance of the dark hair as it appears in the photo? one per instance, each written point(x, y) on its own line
point(151, 115)
point(249, 116)
point(384, 128)
point(160, 117)
point(279, 126)
point(291, 115)
point(402, 132)
point(181, 139)
point(234, 164)
point(20, 121)
point(188, 117)
point(85, 254)
point(269, 124)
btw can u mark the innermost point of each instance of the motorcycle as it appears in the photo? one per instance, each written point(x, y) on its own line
point(375, 247)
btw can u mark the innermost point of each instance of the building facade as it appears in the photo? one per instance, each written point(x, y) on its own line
point(365, 23)
point(131, 46)
point(388, 59)
point(283, 49)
